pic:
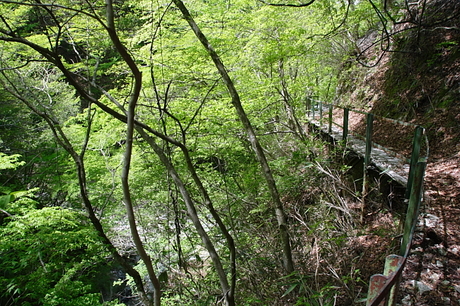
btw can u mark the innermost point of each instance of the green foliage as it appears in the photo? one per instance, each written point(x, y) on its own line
point(10, 161)
point(48, 256)
point(277, 56)
point(14, 202)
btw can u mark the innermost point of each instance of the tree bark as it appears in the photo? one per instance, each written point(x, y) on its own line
point(130, 126)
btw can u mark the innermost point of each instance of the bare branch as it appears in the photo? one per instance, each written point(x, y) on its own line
point(288, 4)
point(53, 5)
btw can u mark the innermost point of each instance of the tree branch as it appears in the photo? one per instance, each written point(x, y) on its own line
point(288, 4)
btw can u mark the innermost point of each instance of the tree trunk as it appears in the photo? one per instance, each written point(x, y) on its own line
point(130, 125)
point(227, 290)
point(279, 211)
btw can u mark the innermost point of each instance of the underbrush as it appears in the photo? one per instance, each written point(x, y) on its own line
point(335, 253)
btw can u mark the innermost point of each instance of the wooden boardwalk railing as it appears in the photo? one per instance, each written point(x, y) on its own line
point(382, 287)
point(335, 121)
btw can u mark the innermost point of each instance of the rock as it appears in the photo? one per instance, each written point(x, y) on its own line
point(441, 250)
point(421, 287)
point(430, 221)
point(406, 301)
point(435, 278)
point(445, 283)
point(454, 249)
point(457, 288)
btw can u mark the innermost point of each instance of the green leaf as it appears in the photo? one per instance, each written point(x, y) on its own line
point(18, 194)
point(5, 199)
point(290, 289)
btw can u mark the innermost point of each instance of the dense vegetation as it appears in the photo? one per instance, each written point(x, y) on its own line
point(156, 153)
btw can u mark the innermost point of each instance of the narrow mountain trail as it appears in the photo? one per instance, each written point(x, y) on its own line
point(432, 272)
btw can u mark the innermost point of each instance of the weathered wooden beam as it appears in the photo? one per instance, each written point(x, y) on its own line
point(329, 130)
point(367, 161)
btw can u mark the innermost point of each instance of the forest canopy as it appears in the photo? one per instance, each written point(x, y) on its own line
point(155, 152)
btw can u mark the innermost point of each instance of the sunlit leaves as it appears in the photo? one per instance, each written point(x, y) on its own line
point(43, 248)
point(275, 55)
point(10, 161)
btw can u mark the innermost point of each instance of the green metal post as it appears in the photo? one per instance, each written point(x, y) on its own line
point(414, 158)
point(367, 161)
point(392, 264)
point(330, 119)
point(345, 124)
point(414, 206)
point(376, 284)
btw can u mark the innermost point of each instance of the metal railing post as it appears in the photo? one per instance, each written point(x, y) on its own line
point(414, 206)
point(392, 264)
point(345, 124)
point(330, 119)
point(414, 158)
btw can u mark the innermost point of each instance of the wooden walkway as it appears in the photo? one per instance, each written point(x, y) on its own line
point(407, 172)
point(385, 160)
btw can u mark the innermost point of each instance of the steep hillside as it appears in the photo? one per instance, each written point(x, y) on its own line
point(412, 72)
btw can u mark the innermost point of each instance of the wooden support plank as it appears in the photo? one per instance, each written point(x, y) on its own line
point(321, 112)
point(367, 161)
point(369, 132)
point(313, 105)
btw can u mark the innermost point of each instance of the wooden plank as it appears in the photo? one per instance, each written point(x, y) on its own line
point(345, 124)
point(330, 119)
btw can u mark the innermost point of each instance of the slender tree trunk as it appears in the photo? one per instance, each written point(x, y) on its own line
point(130, 125)
point(129, 118)
point(279, 210)
point(293, 123)
point(227, 290)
